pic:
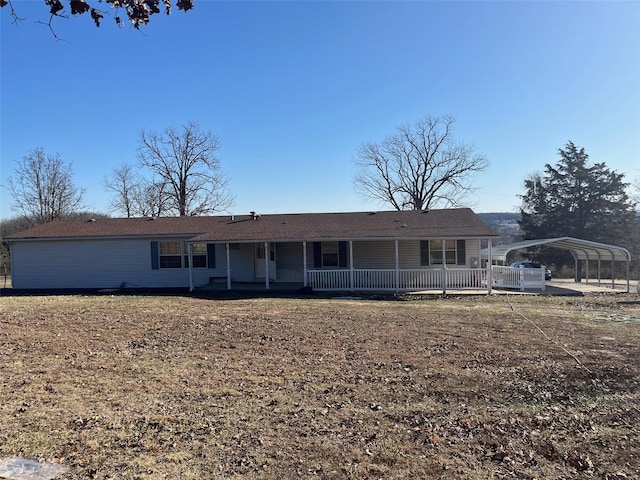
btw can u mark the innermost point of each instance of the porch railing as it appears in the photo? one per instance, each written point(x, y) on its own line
point(398, 280)
point(522, 278)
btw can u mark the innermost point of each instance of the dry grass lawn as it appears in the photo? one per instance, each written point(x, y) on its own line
point(143, 387)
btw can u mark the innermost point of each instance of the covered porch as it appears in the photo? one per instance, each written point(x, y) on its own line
point(355, 265)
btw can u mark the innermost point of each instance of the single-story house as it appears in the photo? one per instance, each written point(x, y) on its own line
point(387, 250)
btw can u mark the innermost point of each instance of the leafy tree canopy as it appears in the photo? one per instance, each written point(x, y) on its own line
point(577, 199)
point(137, 11)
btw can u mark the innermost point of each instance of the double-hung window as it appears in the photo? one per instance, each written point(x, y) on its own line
point(437, 252)
point(199, 255)
point(175, 254)
point(170, 254)
point(330, 255)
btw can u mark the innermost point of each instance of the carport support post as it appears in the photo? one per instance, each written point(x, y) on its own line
point(628, 276)
point(587, 274)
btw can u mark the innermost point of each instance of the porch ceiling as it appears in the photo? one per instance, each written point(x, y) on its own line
point(581, 249)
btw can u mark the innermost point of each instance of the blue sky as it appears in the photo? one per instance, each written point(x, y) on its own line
point(293, 88)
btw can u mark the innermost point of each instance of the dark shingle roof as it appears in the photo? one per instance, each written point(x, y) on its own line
point(447, 223)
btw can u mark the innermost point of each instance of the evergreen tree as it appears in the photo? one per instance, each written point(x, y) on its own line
point(577, 199)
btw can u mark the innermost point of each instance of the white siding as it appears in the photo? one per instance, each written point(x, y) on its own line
point(473, 251)
point(381, 254)
point(201, 276)
point(290, 262)
point(375, 254)
point(98, 264)
point(109, 263)
point(242, 268)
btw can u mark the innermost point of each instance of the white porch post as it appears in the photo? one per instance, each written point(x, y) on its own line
point(489, 268)
point(304, 261)
point(228, 267)
point(397, 268)
point(444, 267)
point(351, 265)
point(190, 251)
point(266, 265)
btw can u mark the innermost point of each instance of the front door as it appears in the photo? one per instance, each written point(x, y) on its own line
point(259, 264)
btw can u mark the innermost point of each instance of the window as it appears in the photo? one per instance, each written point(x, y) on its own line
point(170, 254)
point(175, 254)
point(431, 252)
point(329, 254)
point(435, 252)
point(199, 255)
point(260, 251)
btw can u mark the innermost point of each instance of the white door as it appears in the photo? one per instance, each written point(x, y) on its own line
point(259, 264)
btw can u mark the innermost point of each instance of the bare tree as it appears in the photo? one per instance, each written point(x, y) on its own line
point(419, 167)
point(134, 195)
point(43, 188)
point(152, 199)
point(185, 161)
point(124, 182)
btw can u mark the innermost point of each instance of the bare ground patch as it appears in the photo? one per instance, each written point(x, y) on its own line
point(178, 387)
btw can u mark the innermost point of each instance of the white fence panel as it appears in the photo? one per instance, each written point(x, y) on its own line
point(420, 279)
point(466, 278)
point(374, 279)
point(522, 278)
point(329, 279)
point(398, 280)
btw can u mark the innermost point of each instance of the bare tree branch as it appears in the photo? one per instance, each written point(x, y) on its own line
point(43, 188)
point(185, 162)
point(419, 167)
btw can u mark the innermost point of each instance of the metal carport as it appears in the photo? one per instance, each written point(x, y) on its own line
point(581, 250)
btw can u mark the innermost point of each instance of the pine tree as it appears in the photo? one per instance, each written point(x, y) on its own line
point(577, 199)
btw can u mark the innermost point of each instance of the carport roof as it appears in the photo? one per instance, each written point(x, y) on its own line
point(581, 249)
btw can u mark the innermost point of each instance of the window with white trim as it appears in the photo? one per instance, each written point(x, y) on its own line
point(329, 254)
point(170, 254)
point(435, 252)
point(199, 255)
